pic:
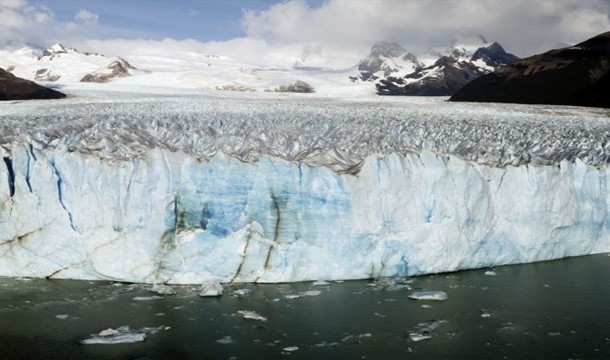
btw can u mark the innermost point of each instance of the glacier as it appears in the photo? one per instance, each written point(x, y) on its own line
point(189, 189)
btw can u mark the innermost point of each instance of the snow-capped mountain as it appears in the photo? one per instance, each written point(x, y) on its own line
point(439, 71)
point(444, 77)
point(385, 59)
point(61, 63)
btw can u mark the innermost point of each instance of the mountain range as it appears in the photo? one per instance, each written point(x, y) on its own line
point(394, 71)
point(388, 69)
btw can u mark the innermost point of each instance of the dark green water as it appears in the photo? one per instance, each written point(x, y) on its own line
point(552, 310)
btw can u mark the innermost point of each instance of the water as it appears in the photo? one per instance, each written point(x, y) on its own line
point(554, 310)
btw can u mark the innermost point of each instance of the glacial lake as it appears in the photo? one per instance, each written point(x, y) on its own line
point(550, 310)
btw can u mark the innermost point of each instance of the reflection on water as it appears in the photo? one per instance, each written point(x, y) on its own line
point(556, 309)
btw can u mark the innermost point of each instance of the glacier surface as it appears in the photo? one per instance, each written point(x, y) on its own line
point(191, 188)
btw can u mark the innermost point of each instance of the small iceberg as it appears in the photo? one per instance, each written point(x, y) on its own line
point(429, 295)
point(423, 331)
point(210, 288)
point(251, 315)
point(162, 289)
point(121, 335)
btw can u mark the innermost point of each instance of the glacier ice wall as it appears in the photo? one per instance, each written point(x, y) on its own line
point(170, 218)
point(273, 193)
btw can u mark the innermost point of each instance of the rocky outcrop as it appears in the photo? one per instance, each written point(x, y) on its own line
point(118, 68)
point(296, 87)
point(577, 75)
point(14, 88)
point(45, 75)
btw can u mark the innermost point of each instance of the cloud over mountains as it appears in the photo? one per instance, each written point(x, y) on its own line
point(333, 31)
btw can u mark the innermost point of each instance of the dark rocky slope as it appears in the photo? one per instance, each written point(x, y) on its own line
point(14, 88)
point(577, 75)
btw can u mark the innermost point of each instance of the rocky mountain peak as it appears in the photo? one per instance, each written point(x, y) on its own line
point(493, 55)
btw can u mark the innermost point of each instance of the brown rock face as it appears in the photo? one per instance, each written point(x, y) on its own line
point(14, 88)
point(116, 69)
point(577, 75)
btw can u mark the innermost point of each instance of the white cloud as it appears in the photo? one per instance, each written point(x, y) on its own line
point(336, 34)
point(86, 17)
point(12, 4)
point(523, 26)
point(21, 22)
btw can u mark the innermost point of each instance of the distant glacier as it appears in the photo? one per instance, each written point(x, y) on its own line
point(162, 189)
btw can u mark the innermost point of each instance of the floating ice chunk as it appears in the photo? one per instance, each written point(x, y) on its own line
point(61, 316)
point(162, 289)
point(120, 335)
point(242, 292)
point(489, 273)
point(302, 294)
point(415, 337)
point(225, 340)
point(147, 298)
point(422, 331)
point(291, 348)
point(320, 283)
point(251, 315)
point(429, 295)
point(426, 306)
point(210, 288)
point(554, 333)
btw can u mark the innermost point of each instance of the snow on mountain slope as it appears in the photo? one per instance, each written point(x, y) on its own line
point(466, 60)
point(179, 70)
point(280, 188)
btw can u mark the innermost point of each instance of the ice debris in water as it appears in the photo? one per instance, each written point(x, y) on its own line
point(147, 298)
point(251, 315)
point(390, 284)
point(225, 340)
point(320, 283)
point(291, 348)
point(210, 288)
point(302, 294)
point(429, 295)
point(61, 316)
point(490, 273)
point(162, 289)
point(422, 331)
point(120, 335)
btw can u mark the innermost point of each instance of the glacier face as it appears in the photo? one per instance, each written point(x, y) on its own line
point(185, 190)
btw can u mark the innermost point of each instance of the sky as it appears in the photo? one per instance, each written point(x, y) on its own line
point(316, 32)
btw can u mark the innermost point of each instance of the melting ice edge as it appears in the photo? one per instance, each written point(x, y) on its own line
point(184, 190)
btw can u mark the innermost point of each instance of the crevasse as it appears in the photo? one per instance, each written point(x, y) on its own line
point(167, 217)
